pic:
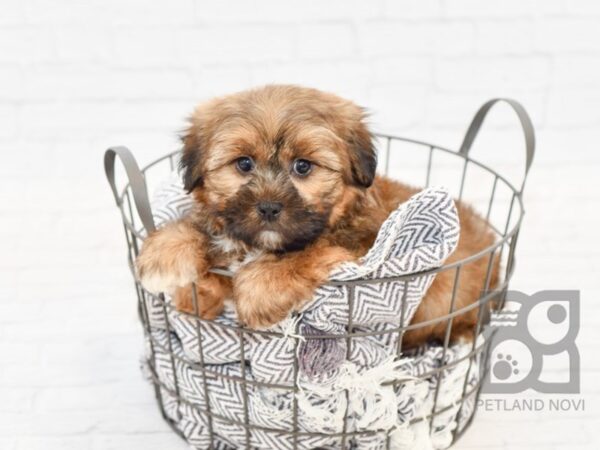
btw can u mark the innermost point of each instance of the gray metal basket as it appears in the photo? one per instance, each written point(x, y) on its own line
point(133, 203)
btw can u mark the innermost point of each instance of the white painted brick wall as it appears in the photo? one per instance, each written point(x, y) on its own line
point(78, 76)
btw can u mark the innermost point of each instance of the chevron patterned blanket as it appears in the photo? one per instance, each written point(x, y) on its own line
point(333, 381)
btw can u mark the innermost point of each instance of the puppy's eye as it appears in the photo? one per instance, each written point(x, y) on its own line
point(244, 164)
point(302, 167)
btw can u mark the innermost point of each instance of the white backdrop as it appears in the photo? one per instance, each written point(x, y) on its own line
point(78, 76)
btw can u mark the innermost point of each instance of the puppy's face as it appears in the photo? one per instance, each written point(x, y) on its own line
point(278, 165)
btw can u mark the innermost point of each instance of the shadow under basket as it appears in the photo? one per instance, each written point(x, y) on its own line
point(421, 398)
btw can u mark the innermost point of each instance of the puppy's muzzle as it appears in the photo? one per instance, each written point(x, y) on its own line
point(269, 211)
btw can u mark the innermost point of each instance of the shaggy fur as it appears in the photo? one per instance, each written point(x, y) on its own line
point(253, 147)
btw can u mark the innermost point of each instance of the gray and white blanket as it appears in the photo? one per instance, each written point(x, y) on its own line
point(374, 387)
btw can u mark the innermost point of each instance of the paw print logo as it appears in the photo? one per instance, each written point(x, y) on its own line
point(510, 363)
point(537, 329)
point(505, 367)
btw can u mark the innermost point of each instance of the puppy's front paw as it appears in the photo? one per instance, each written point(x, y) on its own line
point(211, 292)
point(170, 258)
point(265, 293)
point(163, 273)
point(268, 289)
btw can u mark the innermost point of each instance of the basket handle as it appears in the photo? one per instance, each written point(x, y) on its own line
point(526, 125)
point(136, 181)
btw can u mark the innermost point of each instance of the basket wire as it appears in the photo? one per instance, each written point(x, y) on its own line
point(136, 214)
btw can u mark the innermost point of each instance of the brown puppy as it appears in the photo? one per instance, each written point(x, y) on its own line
point(285, 189)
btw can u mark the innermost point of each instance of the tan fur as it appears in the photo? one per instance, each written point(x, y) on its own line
point(329, 216)
point(211, 291)
point(475, 236)
point(175, 253)
point(293, 277)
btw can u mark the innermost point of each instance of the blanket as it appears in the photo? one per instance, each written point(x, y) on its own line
point(384, 395)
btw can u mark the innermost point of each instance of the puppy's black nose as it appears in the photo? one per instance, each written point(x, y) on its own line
point(269, 210)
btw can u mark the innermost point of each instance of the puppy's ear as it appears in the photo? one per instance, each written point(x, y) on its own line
point(363, 157)
point(191, 160)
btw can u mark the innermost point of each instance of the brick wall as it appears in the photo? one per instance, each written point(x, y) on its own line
point(78, 76)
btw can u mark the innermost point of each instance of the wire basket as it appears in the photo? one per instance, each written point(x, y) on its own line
point(497, 199)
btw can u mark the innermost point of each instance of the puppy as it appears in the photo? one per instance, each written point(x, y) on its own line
point(285, 189)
